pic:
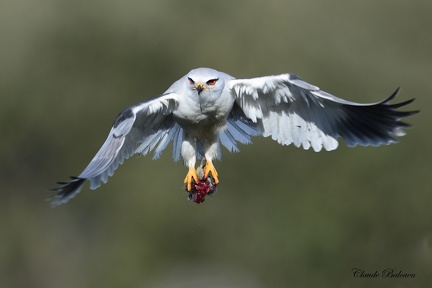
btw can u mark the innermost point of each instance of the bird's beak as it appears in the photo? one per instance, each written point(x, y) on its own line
point(199, 87)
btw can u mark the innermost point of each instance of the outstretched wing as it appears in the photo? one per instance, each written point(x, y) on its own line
point(294, 111)
point(149, 123)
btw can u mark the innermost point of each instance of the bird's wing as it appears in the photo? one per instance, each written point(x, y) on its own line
point(294, 111)
point(149, 124)
point(239, 128)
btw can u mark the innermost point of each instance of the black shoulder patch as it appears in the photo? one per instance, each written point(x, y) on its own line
point(125, 114)
point(294, 77)
point(128, 113)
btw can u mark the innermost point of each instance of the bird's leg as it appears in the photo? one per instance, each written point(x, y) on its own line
point(211, 153)
point(209, 168)
point(191, 176)
point(188, 154)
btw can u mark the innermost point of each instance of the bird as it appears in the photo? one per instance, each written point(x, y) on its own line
point(207, 109)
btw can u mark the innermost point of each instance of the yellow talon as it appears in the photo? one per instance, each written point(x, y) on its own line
point(209, 168)
point(191, 175)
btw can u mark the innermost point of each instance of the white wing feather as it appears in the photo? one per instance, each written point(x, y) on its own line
point(293, 111)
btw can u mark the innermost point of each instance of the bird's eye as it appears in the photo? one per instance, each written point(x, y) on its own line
point(212, 82)
point(191, 81)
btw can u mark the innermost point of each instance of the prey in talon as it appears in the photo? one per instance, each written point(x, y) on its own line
point(205, 185)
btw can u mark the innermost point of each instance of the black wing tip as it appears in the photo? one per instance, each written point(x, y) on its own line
point(392, 96)
point(67, 183)
point(401, 104)
point(66, 191)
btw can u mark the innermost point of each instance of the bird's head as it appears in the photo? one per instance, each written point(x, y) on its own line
point(205, 82)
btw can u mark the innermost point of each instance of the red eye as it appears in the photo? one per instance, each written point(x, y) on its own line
point(212, 82)
point(191, 81)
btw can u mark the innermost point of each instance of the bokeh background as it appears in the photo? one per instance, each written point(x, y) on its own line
point(283, 217)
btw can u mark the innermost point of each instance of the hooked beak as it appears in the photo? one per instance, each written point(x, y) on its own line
point(199, 87)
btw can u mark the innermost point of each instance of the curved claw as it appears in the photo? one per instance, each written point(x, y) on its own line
point(209, 168)
point(190, 176)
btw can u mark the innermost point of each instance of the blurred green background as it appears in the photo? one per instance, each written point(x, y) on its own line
point(283, 217)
